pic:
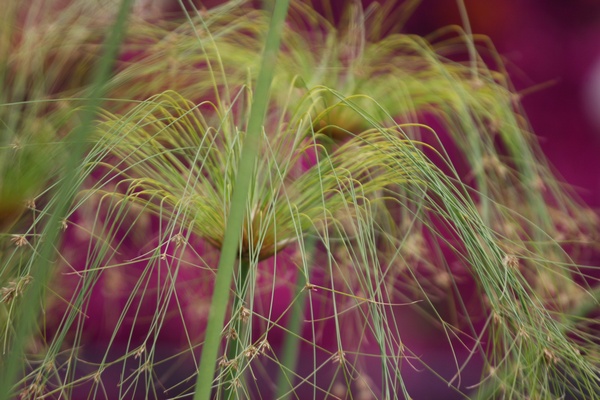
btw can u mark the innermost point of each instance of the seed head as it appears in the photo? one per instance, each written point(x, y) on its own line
point(19, 240)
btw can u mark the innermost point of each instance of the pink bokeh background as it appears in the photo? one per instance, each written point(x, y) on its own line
point(555, 46)
point(541, 41)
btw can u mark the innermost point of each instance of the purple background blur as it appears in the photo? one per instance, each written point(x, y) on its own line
point(543, 41)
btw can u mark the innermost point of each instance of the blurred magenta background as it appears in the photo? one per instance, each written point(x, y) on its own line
point(541, 41)
point(552, 42)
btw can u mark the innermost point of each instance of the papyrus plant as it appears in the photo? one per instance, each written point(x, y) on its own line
point(391, 175)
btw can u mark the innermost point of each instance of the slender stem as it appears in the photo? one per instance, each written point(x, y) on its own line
point(571, 319)
point(470, 44)
point(229, 251)
point(77, 144)
point(291, 344)
point(235, 345)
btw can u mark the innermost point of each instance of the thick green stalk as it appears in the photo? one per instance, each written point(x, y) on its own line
point(229, 251)
point(41, 266)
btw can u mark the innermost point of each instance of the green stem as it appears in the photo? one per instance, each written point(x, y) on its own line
point(571, 319)
point(235, 344)
point(291, 344)
point(229, 250)
point(41, 266)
